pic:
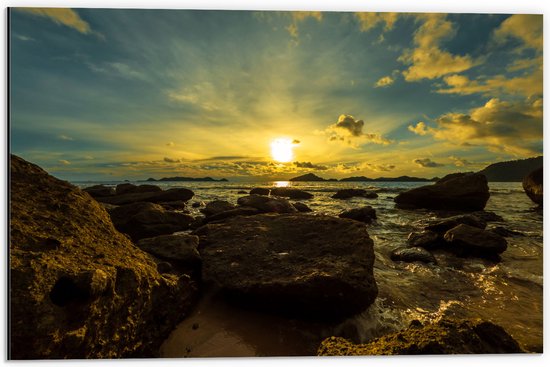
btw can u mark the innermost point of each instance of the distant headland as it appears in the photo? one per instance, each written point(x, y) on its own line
point(192, 179)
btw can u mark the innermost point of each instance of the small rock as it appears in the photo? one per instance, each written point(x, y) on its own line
point(365, 214)
point(301, 207)
point(411, 254)
point(259, 191)
point(291, 193)
point(164, 267)
point(443, 225)
point(197, 204)
point(349, 193)
point(267, 204)
point(425, 239)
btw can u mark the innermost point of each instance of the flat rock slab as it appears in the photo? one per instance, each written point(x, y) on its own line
point(443, 225)
point(313, 266)
point(443, 337)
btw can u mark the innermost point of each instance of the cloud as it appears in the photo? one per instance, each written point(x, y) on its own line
point(64, 162)
point(460, 162)
point(512, 127)
point(118, 69)
point(426, 163)
point(527, 84)
point(299, 16)
point(67, 17)
point(427, 60)
point(350, 131)
point(384, 82)
point(379, 167)
point(419, 129)
point(65, 137)
point(525, 27)
point(171, 160)
point(24, 38)
point(310, 165)
point(368, 21)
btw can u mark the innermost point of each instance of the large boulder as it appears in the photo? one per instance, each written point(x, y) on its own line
point(302, 208)
point(178, 194)
point(126, 188)
point(217, 206)
point(79, 288)
point(349, 193)
point(465, 191)
point(97, 191)
point(260, 191)
point(426, 239)
point(365, 214)
point(142, 220)
point(446, 336)
point(179, 248)
point(267, 204)
point(467, 240)
point(532, 184)
point(242, 210)
point(313, 266)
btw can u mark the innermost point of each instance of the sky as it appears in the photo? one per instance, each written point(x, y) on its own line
point(109, 94)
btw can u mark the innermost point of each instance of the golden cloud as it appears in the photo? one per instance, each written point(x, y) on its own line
point(370, 20)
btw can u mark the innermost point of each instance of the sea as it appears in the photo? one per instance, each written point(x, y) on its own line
point(508, 293)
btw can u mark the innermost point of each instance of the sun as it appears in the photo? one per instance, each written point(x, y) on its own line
point(281, 150)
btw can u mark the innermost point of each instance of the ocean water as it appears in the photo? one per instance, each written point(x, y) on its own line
point(509, 293)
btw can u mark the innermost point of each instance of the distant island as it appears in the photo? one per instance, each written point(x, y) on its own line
point(312, 177)
point(512, 171)
point(192, 179)
point(508, 171)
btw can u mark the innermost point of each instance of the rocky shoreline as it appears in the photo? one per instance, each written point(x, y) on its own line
point(109, 272)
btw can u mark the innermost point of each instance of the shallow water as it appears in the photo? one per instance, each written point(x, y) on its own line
point(508, 293)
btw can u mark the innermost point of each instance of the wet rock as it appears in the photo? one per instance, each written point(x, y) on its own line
point(142, 220)
point(164, 267)
point(425, 239)
point(312, 266)
point(532, 184)
point(178, 205)
point(124, 188)
point(92, 295)
point(197, 204)
point(411, 254)
point(291, 193)
point(443, 225)
point(505, 232)
point(302, 208)
point(468, 192)
point(349, 193)
point(97, 191)
point(180, 247)
point(243, 211)
point(443, 337)
point(178, 194)
point(471, 241)
point(488, 216)
point(242, 192)
point(260, 191)
point(267, 204)
point(365, 214)
point(217, 206)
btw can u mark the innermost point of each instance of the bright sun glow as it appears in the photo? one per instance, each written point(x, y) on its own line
point(281, 150)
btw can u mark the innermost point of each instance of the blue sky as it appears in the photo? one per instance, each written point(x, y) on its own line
point(116, 94)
